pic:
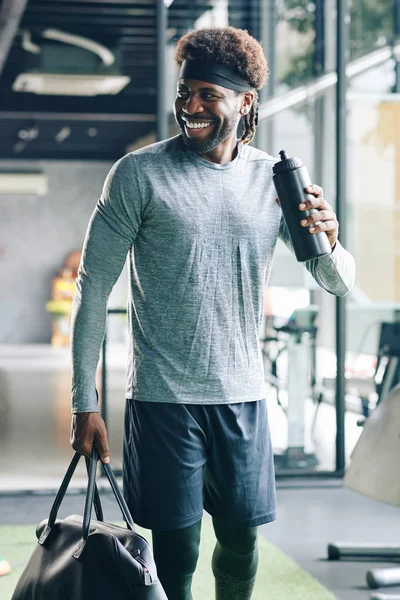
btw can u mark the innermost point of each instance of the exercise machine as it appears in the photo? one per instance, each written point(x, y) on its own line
point(297, 338)
point(374, 462)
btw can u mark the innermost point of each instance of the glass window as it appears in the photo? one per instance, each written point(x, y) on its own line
point(371, 26)
point(295, 43)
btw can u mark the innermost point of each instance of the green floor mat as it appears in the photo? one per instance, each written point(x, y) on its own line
point(279, 577)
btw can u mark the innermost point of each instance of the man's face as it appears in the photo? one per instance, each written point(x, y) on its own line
point(206, 113)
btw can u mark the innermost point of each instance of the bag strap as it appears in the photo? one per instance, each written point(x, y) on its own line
point(119, 497)
point(60, 497)
point(97, 502)
point(90, 496)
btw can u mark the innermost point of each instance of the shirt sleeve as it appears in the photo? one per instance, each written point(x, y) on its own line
point(334, 272)
point(111, 231)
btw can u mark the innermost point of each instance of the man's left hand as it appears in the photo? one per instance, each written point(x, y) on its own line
point(323, 220)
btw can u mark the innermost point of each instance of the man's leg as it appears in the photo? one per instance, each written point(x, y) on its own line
point(176, 553)
point(234, 561)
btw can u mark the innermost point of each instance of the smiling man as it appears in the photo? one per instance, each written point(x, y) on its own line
point(196, 215)
point(209, 120)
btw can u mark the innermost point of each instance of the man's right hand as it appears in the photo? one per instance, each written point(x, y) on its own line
point(88, 428)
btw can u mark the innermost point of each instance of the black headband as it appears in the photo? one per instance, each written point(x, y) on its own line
point(213, 72)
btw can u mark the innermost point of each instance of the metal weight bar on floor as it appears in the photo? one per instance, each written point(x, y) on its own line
point(377, 578)
point(338, 550)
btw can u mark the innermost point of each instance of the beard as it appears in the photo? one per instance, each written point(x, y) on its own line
point(220, 131)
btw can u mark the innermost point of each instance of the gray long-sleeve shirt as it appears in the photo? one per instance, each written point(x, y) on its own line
point(200, 238)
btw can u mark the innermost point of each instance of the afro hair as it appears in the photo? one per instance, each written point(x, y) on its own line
point(229, 46)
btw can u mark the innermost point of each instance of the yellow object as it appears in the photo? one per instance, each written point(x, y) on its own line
point(61, 311)
point(61, 307)
point(65, 286)
point(62, 293)
point(5, 567)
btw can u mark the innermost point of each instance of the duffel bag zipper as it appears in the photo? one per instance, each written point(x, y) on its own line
point(146, 572)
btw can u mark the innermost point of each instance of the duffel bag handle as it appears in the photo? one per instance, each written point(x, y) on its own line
point(90, 497)
point(96, 501)
point(61, 493)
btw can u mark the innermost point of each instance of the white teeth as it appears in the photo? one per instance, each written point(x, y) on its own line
point(197, 125)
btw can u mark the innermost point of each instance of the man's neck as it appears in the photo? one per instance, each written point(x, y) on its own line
point(224, 153)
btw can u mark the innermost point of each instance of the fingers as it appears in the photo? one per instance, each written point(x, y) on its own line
point(327, 226)
point(315, 190)
point(102, 446)
point(83, 447)
point(317, 216)
point(319, 203)
point(80, 439)
point(321, 220)
point(322, 217)
point(88, 429)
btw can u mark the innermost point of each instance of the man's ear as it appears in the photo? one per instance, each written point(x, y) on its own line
point(247, 101)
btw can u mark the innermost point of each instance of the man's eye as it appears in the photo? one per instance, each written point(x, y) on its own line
point(182, 94)
point(208, 96)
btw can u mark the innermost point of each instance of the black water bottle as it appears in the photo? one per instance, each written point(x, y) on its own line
point(290, 179)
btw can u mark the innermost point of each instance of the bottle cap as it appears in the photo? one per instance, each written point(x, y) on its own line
point(286, 164)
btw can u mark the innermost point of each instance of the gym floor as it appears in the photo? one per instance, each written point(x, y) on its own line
point(310, 515)
point(34, 453)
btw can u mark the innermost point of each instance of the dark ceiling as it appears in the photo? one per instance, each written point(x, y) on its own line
point(35, 126)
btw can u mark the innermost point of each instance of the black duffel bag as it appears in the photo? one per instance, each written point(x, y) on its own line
point(84, 559)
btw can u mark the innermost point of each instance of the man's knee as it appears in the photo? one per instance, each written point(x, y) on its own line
point(242, 540)
point(236, 553)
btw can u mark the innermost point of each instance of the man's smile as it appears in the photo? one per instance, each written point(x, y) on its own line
point(194, 126)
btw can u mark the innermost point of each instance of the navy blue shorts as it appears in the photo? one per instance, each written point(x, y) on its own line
point(181, 458)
